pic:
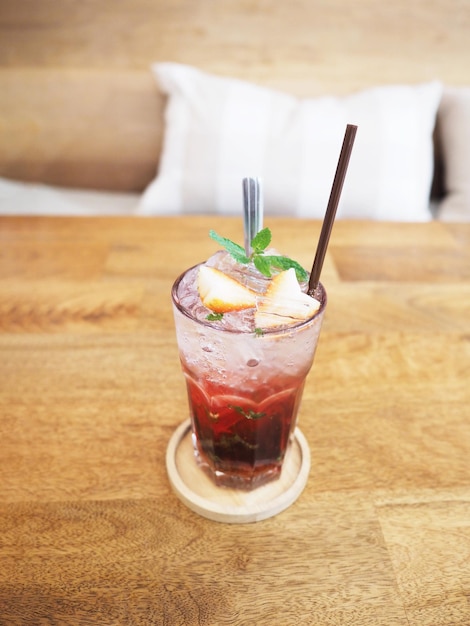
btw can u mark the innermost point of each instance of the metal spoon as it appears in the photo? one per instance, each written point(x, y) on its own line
point(252, 210)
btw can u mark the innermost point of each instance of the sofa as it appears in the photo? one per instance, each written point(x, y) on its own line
point(138, 108)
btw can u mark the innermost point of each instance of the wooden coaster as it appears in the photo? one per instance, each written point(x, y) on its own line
point(222, 504)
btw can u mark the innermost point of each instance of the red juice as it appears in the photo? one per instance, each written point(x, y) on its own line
point(241, 439)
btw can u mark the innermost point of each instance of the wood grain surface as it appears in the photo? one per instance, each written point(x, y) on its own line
point(91, 392)
point(79, 106)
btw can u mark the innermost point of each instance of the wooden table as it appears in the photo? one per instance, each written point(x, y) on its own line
point(91, 392)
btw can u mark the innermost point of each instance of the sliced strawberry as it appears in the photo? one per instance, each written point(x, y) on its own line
point(221, 293)
point(284, 302)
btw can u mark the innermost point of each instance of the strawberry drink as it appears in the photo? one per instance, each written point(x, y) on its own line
point(247, 334)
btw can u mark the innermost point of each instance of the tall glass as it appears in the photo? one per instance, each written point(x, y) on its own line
point(244, 390)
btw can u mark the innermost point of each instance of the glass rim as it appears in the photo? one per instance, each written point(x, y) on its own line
point(268, 331)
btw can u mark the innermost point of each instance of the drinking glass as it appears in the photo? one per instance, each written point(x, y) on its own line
point(244, 392)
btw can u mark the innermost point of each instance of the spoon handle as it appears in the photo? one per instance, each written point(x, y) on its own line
point(252, 210)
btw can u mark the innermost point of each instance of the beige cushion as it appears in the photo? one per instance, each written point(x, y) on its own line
point(454, 139)
point(219, 130)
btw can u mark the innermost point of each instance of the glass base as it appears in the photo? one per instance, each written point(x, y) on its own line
point(236, 480)
point(199, 493)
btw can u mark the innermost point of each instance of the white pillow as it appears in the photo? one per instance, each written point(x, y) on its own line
point(219, 130)
point(23, 198)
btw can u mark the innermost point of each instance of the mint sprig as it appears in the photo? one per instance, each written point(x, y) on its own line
point(264, 263)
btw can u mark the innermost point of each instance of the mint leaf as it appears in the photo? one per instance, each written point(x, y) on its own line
point(261, 240)
point(236, 251)
point(284, 263)
point(250, 414)
point(262, 264)
point(214, 317)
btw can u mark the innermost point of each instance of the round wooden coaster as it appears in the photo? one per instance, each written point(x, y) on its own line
point(222, 504)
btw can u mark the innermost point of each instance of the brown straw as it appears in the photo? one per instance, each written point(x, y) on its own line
point(333, 202)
